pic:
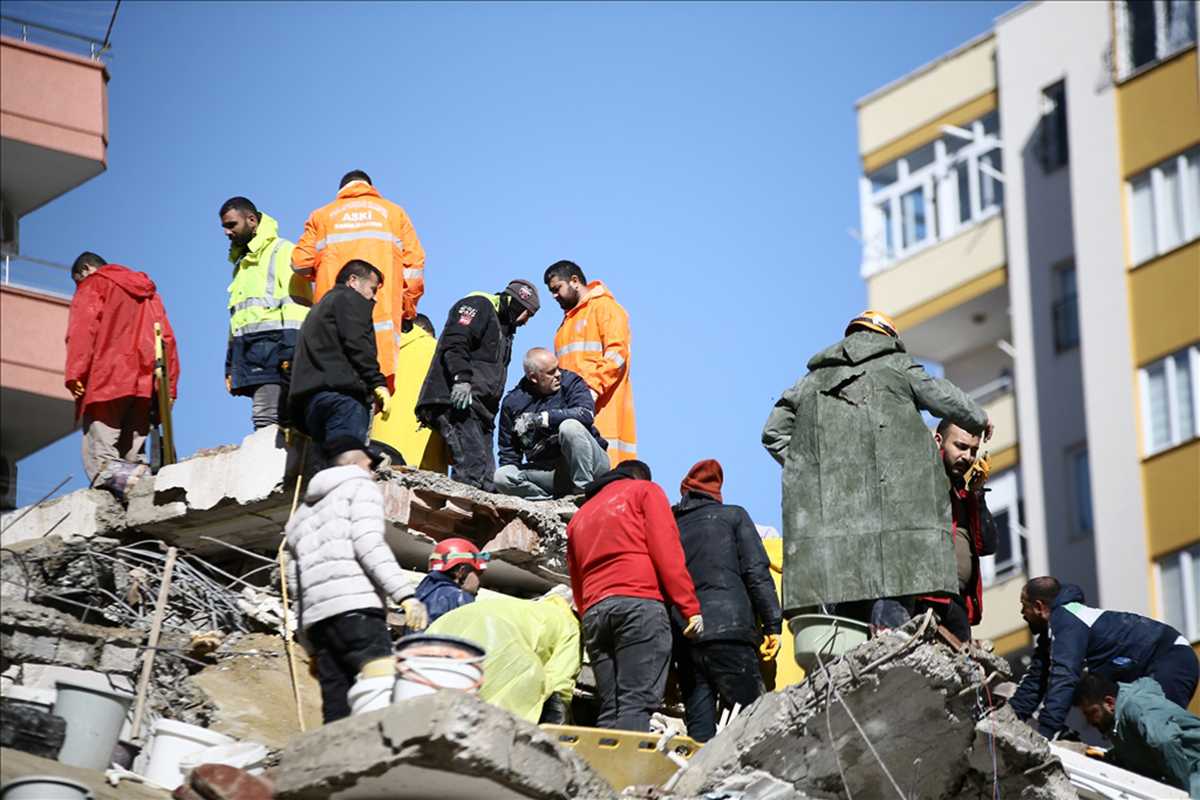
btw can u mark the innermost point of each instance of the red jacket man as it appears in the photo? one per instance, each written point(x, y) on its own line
point(623, 554)
point(110, 365)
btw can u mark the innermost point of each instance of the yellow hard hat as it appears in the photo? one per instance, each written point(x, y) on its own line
point(872, 320)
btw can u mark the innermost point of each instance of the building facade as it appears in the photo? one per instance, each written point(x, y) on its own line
point(1030, 208)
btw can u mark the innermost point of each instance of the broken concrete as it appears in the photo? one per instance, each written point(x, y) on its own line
point(15, 764)
point(916, 701)
point(431, 747)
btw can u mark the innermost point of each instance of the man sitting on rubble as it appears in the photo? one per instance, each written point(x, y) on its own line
point(336, 376)
point(732, 576)
point(340, 569)
point(455, 572)
point(623, 555)
point(549, 446)
point(866, 512)
point(1119, 645)
point(110, 367)
point(1150, 735)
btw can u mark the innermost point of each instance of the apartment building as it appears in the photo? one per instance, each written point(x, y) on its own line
point(1030, 212)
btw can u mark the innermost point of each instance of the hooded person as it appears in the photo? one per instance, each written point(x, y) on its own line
point(866, 502)
point(626, 563)
point(461, 393)
point(110, 366)
point(732, 575)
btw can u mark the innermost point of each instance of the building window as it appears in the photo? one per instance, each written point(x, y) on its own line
point(1066, 308)
point(1004, 502)
point(1081, 491)
point(932, 193)
point(1179, 591)
point(1164, 204)
point(1171, 399)
point(1150, 30)
point(1052, 133)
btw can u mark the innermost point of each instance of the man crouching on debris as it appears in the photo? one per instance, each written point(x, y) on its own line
point(339, 568)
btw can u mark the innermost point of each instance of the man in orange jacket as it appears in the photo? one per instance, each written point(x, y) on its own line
point(360, 224)
point(593, 342)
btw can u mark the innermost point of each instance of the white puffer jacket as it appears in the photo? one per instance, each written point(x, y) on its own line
point(335, 542)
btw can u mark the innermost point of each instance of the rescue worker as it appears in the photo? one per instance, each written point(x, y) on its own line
point(340, 569)
point(866, 511)
point(461, 393)
point(401, 435)
point(267, 304)
point(548, 444)
point(110, 367)
point(1150, 735)
point(623, 556)
point(336, 377)
point(732, 576)
point(361, 224)
point(533, 652)
point(1072, 636)
point(455, 572)
point(593, 341)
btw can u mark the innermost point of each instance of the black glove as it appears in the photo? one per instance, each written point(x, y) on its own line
point(460, 396)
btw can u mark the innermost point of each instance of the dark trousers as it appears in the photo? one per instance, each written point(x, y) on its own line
point(334, 420)
point(344, 642)
point(725, 671)
point(628, 641)
point(468, 436)
point(1177, 672)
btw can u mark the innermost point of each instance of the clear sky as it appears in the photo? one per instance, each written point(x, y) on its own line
point(700, 159)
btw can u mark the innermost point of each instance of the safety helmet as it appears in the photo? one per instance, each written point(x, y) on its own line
point(449, 553)
point(872, 320)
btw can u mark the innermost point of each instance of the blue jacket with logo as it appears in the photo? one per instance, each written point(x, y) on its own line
point(441, 594)
point(573, 400)
point(1117, 644)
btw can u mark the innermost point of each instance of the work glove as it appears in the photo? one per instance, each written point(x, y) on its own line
point(695, 627)
point(416, 617)
point(531, 421)
point(769, 647)
point(460, 395)
point(76, 388)
point(229, 384)
point(978, 473)
point(383, 400)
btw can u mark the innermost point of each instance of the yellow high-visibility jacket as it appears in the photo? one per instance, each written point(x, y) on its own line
point(421, 447)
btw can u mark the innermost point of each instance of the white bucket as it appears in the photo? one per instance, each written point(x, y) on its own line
point(250, 756)
point(174, 741)
point(371, 694)
point(94, 719)
point(45, 787)
point(421, 675)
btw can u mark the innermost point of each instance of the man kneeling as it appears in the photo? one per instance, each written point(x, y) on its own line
point(548, 444)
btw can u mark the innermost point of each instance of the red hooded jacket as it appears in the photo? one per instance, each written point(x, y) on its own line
point(623, 542)
point(110, 337)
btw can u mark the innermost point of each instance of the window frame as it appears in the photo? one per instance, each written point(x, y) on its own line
point(1174, 439)
point(1053, 128)
point(1004, 496)
point(1191, 592)
point(1125, 69)
point(1077, 530)
point(1189, 197)
point(1063, 305)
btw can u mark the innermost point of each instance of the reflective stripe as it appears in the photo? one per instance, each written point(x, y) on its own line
point(576, 347)
point(253, 302)
point(1086, 614)
point(270, 287)
point(269, 325)
point(615, 357)
point(386, 325)
point(624, 447)
point(413, 273)
point(320, 245)
point(334, 238)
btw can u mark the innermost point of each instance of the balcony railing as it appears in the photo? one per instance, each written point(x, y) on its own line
point(37, 274)
point(97, 46)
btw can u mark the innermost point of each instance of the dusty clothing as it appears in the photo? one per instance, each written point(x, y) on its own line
point(1154, 737)
point(468, 438)
point(581, 459)
point(475, 347)
point(114, 430)
point(541, 451)
point(594, 342)
point(110, 337)
point(709, 672)
point(338, 560)
point(865, 497)
point(628, 640)
point(343, 644)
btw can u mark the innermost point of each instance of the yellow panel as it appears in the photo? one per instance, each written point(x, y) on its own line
point(1159, 113)
point(1005, 459)
point(952, 299)
point(787, 671)
point(1017, 640)
point(1165, 304)
point(1169, 481)
point(966, 113)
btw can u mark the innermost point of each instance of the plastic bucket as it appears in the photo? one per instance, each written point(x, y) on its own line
point(371, 694)
point(825, 634)
point(250, 756)
point(426, 663)
point(94, 718)
point(173, 741)
point(45, 787)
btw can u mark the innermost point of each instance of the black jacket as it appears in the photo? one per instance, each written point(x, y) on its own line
point(475, 346)
point(730, 570)
point(336, 351)
point(573, 400)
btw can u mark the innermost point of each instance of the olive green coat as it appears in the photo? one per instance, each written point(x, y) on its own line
point(866, 501)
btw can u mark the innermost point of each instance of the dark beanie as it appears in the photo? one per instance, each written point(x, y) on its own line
point(705, 477)
point(524, 293)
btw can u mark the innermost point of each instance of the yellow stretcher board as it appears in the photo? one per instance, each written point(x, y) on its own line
point(624, 758)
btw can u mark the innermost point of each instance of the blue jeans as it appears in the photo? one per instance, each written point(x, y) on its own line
point(333, 419)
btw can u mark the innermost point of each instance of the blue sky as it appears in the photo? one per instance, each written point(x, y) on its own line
point(701, 159)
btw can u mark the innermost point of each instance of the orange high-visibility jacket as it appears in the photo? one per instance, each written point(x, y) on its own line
point(361, 224)
point(593, 341)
